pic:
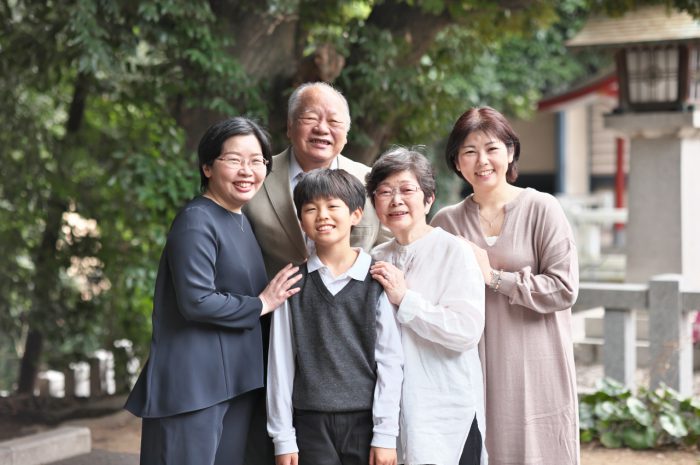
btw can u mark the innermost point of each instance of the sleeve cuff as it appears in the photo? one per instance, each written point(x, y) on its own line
point(508, 283)
point(385, 441)
point(407, 309)
point(286, 447)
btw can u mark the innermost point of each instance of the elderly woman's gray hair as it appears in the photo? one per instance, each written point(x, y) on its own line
point(397, 160)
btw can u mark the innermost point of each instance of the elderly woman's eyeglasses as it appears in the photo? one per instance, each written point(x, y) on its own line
point(255, 163)
point(404, 191)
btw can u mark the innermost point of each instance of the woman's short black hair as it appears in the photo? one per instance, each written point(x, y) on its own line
point(488, 121)
point(400, 159)
point(213, 140)
point(326, 183)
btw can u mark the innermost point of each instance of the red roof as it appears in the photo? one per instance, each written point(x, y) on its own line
point(606, 85)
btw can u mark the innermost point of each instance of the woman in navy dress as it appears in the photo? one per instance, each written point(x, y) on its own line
point(196, 391)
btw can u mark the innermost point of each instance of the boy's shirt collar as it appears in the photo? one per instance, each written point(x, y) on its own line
point(357, 271)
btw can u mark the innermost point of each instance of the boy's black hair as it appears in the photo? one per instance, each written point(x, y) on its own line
point(326, 183)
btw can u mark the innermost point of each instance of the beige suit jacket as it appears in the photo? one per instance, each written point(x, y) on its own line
point(275, 223)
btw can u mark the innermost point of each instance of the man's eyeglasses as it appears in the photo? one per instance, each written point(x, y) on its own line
point(255, 163)
point(387, 193)
point(313, 120)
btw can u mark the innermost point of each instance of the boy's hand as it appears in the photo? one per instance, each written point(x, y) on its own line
point(288, 459)
point(381, 456)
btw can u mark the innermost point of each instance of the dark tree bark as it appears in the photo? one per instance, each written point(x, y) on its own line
point(45, 282)
point(29, 366)
point(269, 47)
point(418, 29)
point(45, 256)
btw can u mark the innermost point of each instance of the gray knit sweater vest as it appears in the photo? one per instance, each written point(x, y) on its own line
point(335, 339)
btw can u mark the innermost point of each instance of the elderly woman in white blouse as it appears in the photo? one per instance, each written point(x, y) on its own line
point(436, 285)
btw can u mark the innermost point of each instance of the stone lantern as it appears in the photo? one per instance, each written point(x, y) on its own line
point(657, 56)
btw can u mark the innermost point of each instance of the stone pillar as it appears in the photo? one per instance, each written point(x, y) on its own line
point(663, 194)
point(620, 349)
point(663, 228)
point(670, 341)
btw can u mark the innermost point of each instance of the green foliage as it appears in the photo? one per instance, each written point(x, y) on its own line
point(616, 417)
point(488, 57)
point(87, 91)
point(619, 7)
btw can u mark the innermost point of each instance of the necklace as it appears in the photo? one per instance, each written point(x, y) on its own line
point(492, 220)
point(239, 221)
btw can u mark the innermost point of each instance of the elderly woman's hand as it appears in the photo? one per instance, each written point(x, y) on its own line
point(482, 258)
point(279, 289)
point(392, 279)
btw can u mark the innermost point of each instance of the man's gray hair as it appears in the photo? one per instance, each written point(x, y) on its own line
point(295, 99)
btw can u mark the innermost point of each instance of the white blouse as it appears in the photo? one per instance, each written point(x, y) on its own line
point(442, 320)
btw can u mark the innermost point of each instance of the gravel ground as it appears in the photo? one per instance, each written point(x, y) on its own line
point(119, 435)
point(116, 437)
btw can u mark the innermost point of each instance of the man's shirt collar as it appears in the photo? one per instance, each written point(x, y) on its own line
point(295, 169)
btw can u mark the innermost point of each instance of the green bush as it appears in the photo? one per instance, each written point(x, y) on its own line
point(616, 417)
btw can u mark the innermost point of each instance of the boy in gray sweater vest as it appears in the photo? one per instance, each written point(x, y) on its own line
point(335, 365)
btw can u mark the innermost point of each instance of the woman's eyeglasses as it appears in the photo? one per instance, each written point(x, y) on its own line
point(255, 163)
point(404, 191)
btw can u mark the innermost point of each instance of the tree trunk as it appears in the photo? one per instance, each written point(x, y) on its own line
point(46, 279)
point(29, 366)
point(418, 30)
point(45, 282)
point(269, 47)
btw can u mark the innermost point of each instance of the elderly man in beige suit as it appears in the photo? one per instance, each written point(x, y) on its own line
point(318, 121)
point(317, 126)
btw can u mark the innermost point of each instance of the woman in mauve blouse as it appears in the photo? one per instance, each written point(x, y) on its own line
point(527, 255)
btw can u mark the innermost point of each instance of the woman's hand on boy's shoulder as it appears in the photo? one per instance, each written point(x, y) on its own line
point(280, 289)
point(391, 279)
point(381, 456)
point(288, 459)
